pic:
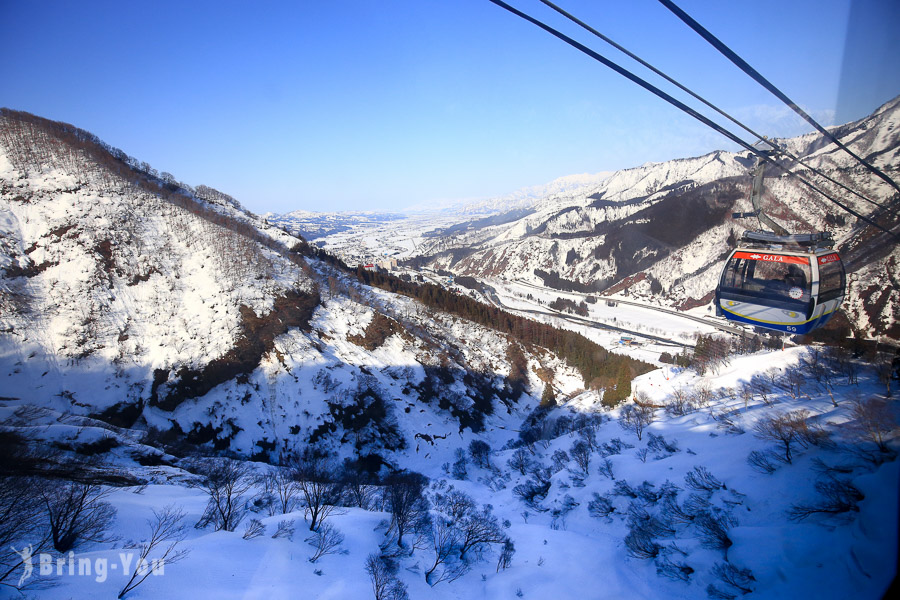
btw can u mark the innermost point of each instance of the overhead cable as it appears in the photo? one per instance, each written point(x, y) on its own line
point(696, 96)
point(681, 106)
point(746, 68)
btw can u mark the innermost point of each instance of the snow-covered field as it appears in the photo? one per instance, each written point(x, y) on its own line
point(570, 542)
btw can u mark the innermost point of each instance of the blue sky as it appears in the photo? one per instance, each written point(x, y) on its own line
point(383, 104)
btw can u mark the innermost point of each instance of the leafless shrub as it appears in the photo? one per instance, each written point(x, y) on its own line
point(326, 539)
point(701, 479)
point(712, 528)
point(166, 529)
point(639, 544)
point(678, 571)
point(601, 506)
point(254, 529)
point(674, 513)
point(668, 490)
point(650, 494)
point(613, 447)
point(736, 577)
point(621, 488)
point(821, 467)
point(658, 443)
point(836, 496)
point(697, 503)
point(702, 396)
point(762, 387)
point(640, 518)
point(746, 393)
point(761, 461)
point(285, 529)
point(717, 594)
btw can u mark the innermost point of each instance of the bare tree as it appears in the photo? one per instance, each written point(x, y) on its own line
point(782, 429)
point(677, 404)
point(519, 461)
point(317, 481)
point(76, 513)
point(20, 524)
point(225, 482)
point(506, 554)
point(166, 530)
point(589, 436)
point(873, 420)
point(581, 453)
point(406, 502)
point(559, 460)
point(636, 417)
point(478, 529)
point(359, 488)
point(284, 488)
point(606, 468)
point(480, 452)
point(383, 575)
point(445, 541)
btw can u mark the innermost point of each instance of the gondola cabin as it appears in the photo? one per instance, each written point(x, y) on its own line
point(788, 288)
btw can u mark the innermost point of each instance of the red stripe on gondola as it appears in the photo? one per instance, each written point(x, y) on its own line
point(779, 258)
point(829, 258)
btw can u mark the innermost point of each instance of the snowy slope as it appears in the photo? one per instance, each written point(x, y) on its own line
point(570, 541)
point(175, 309)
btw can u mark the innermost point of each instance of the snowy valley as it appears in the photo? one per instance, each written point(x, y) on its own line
point(252, 415)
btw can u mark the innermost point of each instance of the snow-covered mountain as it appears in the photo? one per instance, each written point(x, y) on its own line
point(519, 200)
point(663, 229)
point(134, 298)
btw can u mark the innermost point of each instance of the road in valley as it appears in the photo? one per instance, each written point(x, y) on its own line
point(720, 326)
